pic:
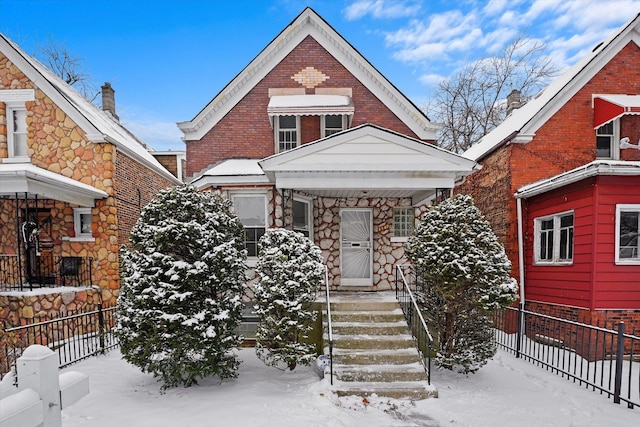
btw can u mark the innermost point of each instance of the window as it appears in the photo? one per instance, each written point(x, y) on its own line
point(627, 231)
point(82, 223)
point(606, 141)
point(302, 222)
point(333, 124)
point(17, 131)
point(287, 132)
point(554, 239)
point(252, 212)
point(403, 221)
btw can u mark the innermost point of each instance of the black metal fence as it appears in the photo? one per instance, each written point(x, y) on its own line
point(74, 337)
point(600, 358)
point(21, 273)
point(405, 280)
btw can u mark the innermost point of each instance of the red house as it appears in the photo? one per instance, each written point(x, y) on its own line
point(560, 184)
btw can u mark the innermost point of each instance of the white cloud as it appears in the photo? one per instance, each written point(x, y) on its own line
point(431, 79)
point(381, 9)
point(158, 133)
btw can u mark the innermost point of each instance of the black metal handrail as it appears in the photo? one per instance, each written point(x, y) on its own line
point(329, 325)
point(73, 337)
point(421, 335)
point(44, 270)
point(596, 357)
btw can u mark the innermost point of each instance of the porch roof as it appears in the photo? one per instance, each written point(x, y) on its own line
point(27, 178)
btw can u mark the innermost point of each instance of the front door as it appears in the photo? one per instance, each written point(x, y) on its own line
point(356, 247)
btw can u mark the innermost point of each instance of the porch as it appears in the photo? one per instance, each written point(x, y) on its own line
point(26, 272)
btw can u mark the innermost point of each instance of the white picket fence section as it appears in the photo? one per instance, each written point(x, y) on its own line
point(41, 392)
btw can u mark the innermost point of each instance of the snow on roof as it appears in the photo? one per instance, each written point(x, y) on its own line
point(236, 167)
point(521, 125)
point(98, 125)
point(597, 167)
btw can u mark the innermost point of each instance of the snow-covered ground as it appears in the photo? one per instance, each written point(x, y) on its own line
point(506, 392)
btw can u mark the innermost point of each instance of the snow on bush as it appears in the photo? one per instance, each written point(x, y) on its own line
point(465, 275)
point(182, 282)
point(291, 270)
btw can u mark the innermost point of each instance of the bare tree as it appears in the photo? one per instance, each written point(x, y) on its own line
point(472, 103)
point(68, 67)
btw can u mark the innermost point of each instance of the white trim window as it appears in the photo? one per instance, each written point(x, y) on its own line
point(553, 241)
point(17, 131)
point(303, 216)
point(251, 209)
point(82, 223)
point(287, 132)
point(404, 220)
point(332, 123)
point(627, 232)
point(607, 141)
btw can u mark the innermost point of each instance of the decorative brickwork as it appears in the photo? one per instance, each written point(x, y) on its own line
point(309, 77)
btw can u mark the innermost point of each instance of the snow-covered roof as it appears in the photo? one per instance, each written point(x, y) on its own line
point(308, 23)
point(98, 125)
point(597, 167)
point(309, 105)
point(28, 178)
point(521, 125)
point(232, 171)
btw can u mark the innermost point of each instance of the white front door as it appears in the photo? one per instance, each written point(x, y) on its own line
point(356, 247)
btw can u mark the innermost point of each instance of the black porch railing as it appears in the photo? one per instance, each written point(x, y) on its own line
point(26, 272)
point(405, 278)
point(74, 337)
point(595, 357)
point(329, 324)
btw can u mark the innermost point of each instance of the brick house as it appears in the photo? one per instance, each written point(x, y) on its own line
point(310, 136)
point(72, 183)
point(560, 184)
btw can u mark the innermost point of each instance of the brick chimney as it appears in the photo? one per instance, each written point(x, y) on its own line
point(514, 101)
point(109, 100)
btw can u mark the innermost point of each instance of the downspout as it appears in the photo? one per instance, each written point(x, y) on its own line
point(520, 250)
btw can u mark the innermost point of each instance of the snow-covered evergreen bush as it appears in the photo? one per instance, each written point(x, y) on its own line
point(181, 287)
point(465, 274)
point(291, 270)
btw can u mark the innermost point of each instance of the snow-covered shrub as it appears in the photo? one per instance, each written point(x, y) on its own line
point(291, 270)
point(465, 274)
point(182, 282)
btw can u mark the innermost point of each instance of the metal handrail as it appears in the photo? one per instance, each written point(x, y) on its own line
point(414, 308)
point(329, 326)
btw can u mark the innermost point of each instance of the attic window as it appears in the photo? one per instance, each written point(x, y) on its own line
point(16, 121)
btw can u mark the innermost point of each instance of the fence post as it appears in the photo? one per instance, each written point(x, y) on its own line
point(38, 370)
point(101, 326)
point(619, 361)
point(519, 329)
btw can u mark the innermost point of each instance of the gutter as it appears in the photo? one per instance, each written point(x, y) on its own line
point(520, 251)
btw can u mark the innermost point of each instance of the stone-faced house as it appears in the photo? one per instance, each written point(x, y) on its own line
point(310, 136)
point(560, 184)
point(72, 183)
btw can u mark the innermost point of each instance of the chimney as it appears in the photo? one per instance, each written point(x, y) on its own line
point(513, 101)
point(109, 100)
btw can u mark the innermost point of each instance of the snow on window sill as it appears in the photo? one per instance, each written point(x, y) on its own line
point(20, 159)
point(553, 263)
point(399, 239)
point(631, 261)
point(79, 239)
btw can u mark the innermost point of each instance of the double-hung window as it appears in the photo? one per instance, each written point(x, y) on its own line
point(251, 209)
point(627, 231)
point(302, 217)
point(287, 131)
point(82, 223)
point(333, 123)
point(554, 239)
point(16, 120)
point(607, 138)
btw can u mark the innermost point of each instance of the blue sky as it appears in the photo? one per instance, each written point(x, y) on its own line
point(167, 59)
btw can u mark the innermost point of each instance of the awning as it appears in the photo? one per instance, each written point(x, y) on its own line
point(26, 178)
point(607, 108)
point(309, 105)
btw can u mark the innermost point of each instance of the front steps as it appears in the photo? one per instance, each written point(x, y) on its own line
point(373, 350)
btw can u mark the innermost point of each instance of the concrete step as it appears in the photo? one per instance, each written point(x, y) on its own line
point(380, 373)
point(366, 316)
point(356, 305)
point(370, 328)
point(395, 390)
point(373, 342)
point(375, 357)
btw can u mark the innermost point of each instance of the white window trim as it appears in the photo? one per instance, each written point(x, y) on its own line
point(556, 239)
point(615, 143)
point(79, 236)
point(401, 239)
point(620, 208)
point(309, 203)
point(276, 136)
point(10, 107)
point(323, 127)
point(14, 99)
point(251, 260)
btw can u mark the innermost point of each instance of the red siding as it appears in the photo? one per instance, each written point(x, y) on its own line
point(593, 281)
point(245, 132)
